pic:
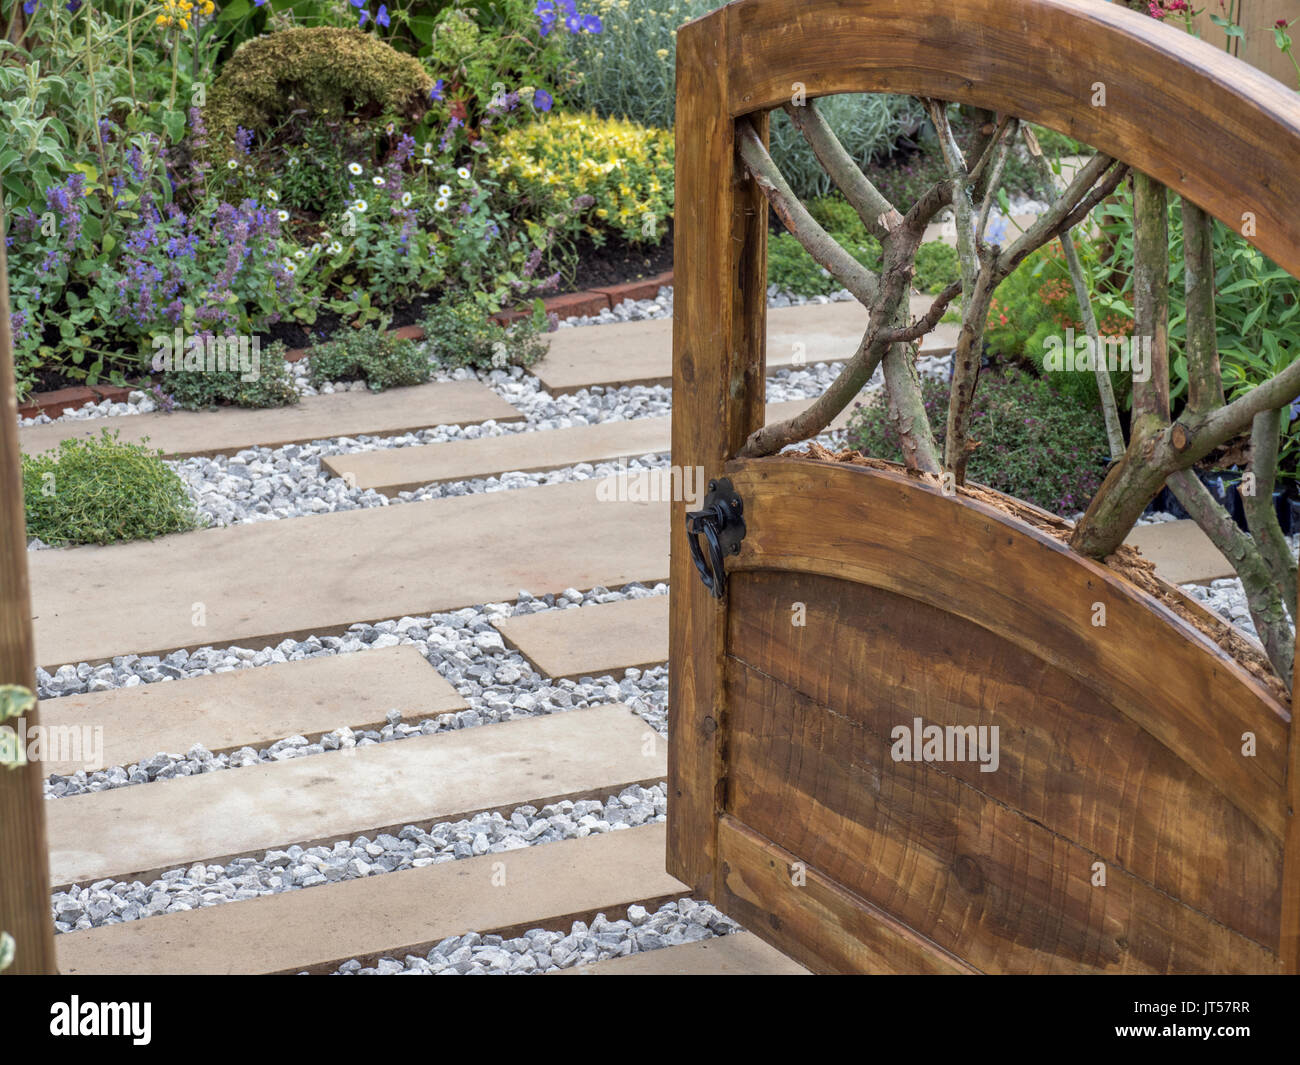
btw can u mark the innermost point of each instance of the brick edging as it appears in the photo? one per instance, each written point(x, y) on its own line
point(571, 304)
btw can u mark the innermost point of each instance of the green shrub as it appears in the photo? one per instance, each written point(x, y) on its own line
point(603, 174)
point(792, 269)
point(322, 70)
point(199, 389)
point(1035, 443)
point(100, 491)
point(382, 359)
point(461, 332)
point(937, 267)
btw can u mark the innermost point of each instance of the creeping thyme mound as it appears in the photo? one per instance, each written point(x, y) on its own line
point(99, 491)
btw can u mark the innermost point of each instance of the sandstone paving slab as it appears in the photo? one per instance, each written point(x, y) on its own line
point(404, 469)
point(739, 954)
point(390, 915)
point(592, 640)
point(640, 353)
point(224, 432)
point(319, 574)
point(253, 707)
point(137, 832)
point(1181, 552)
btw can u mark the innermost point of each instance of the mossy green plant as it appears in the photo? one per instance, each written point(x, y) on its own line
point(101, 491)
point(381, 359)
point(323, 70)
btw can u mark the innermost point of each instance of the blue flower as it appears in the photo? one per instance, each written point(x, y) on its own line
point(357, 3)
point(73, 6)
point(31, 5)
point(545, 12)
point(382, 16)
point(592, 23)
point(542, 100)
point(364, 15)
point(436, 92)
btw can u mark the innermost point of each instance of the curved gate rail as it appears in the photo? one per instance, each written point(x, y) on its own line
point(1208, 127)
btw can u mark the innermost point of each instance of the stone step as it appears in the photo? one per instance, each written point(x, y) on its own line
point(404, 469)
point(390, 915)
point(254, 707)
point(224, 432)
point(640, 353)
point(1181, 552)
point(739, 954)
point(137, 832)
point(591, 641)
point(255, 584)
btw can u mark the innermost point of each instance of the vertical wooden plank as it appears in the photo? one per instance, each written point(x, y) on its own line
point(24, 862)
point(1257, 47)
point(719, 315)
point(1289, 940)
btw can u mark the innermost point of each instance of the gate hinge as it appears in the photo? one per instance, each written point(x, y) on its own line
point(722, 525)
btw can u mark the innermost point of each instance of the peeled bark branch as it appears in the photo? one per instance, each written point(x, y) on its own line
point(926, 323)
point(803, 426)
point(1204, 379)
point(1109, 408)
point(1262, 595)
point(1261, 514)
point(877, 213)
point(1151, 294)
point(1070, 208)
point(824, 249)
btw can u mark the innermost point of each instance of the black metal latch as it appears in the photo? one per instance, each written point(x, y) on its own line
point(723, 527)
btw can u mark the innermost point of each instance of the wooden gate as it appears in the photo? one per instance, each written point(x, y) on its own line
point(1125, 828)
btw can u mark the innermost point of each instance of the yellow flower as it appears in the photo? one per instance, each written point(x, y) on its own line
point(662, 53)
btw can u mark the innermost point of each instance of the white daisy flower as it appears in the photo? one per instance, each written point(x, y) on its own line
point(426, 161)
point(248, 169)
point(293, 160)
point(406, 199)
point(232, 164)
point(360, 206)
point(290, 267)
point(354, 169)
point(282, 215)
point(272, 195)
point(300, 255)
point(335, 248)
point(463, 172)
point(441, 203)
point(444, 191)
point(377, 181)
point(315, 249)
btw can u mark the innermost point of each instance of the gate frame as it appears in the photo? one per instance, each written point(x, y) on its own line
point(1221, 150)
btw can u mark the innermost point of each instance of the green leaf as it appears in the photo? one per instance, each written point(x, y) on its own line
point(233, 11)
point(15, 701)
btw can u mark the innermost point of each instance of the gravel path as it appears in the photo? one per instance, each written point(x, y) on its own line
point(498, 683)
point(110, 901)
point(539, 950)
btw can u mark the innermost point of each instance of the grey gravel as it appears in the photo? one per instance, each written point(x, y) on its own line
point(291, 868)
point(498, 683)
point(540, 949)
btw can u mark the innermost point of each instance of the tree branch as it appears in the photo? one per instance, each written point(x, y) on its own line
point(1204, 378)
point(1262, 596)
point(877, 213)
point(819, 244)
point(1261, 514)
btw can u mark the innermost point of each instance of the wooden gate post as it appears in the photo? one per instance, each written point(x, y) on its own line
point(719, 322)
point(24, 859)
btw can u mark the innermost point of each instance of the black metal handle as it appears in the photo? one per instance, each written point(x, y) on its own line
point(723, 527)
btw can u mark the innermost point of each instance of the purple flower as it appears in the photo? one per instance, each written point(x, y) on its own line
point(382, 16)
point(357, 3)
point(364, 15)
point(31, 5)
point(243, 139)
point(73, 6)
point(545, 12)
point(592, 23)
point(436, 92)
point(542, 100)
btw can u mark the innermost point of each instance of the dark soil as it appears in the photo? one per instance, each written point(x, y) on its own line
point(617, 261)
